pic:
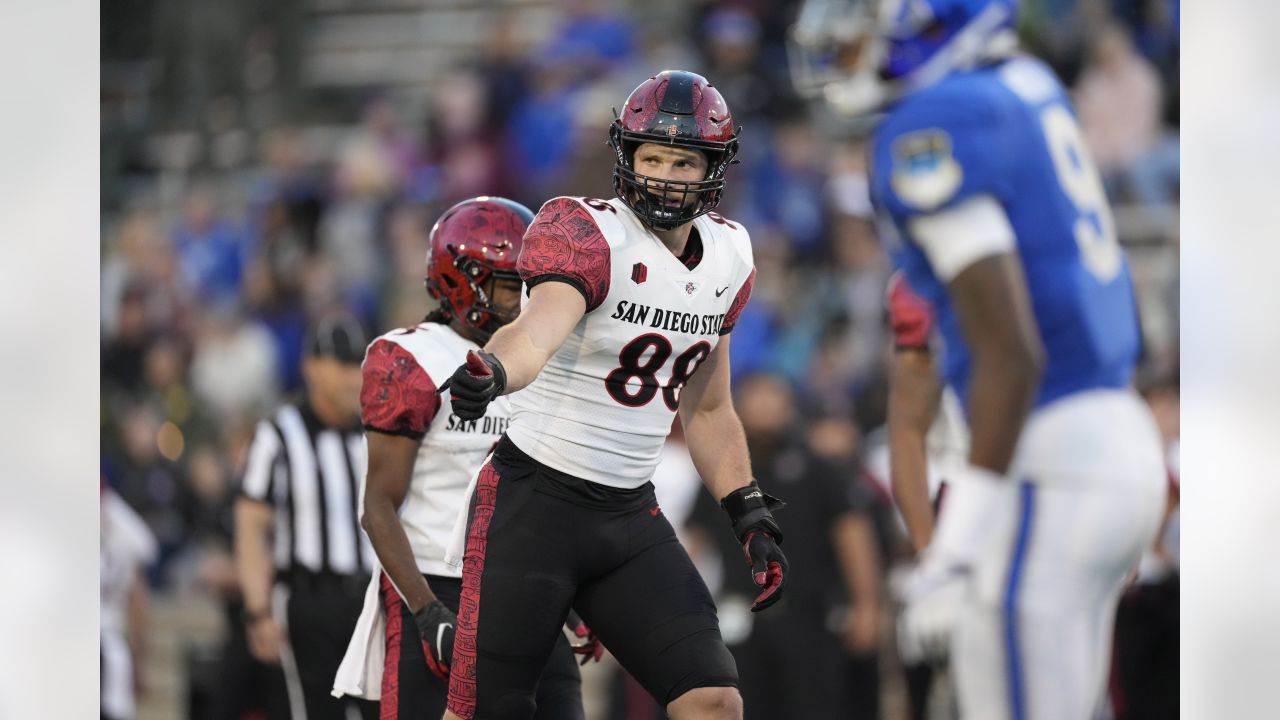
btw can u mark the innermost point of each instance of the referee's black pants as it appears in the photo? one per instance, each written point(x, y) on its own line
point(322, 613)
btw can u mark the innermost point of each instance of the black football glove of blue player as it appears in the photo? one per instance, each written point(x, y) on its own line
point(475, 384)
point(437, 625)
point(750, 511)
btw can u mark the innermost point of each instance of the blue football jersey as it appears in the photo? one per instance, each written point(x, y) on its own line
point(1007, 131)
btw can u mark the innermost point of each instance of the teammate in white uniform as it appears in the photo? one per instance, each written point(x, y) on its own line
point(421, 458)
point(630, 304)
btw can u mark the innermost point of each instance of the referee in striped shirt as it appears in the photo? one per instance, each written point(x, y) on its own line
point(302, 558)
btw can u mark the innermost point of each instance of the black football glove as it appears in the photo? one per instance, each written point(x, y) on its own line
point(475, 384)
point(437, 624)
point(750, 511)
point(587, 645)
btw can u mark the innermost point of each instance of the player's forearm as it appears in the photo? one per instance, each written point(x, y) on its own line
point(718, 448)
point(521, 356)
point(1002, 389)
point(395, 554)
point(909, 479)
point(914, 396)
point(1006, 357)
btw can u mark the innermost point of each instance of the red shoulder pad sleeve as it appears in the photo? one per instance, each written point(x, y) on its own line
point(739, 302)
point(397, 396)
point(564, 243)
point(910, 317)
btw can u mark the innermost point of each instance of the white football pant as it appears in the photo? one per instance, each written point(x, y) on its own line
point(1034, 640)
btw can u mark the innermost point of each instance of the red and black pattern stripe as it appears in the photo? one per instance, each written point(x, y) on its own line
point(462, 680)
point(389, 708)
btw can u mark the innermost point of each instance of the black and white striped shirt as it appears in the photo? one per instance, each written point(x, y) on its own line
point(311, 474)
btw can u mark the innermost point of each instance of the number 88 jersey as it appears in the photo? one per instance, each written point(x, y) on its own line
point(991, 160)
point(603, 404)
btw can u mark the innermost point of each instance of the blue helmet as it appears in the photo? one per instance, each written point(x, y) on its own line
point(861, 54)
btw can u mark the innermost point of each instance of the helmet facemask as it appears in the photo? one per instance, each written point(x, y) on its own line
point(481, 315)
point(648, 196)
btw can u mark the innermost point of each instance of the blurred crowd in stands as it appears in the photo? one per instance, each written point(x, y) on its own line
point(242, 198)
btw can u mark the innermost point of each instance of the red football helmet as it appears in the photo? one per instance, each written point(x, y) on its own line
point(676, 108)
point(473, 243)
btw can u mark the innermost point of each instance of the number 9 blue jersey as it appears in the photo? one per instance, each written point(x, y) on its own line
point(1007, 132)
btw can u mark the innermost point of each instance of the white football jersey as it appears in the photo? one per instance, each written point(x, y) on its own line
point(402, 370)
point(604, 403)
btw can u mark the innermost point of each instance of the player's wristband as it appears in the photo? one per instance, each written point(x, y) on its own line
point(751, 508)
point(974, 496)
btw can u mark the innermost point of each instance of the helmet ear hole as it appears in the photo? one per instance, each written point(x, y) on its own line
point(448, 280)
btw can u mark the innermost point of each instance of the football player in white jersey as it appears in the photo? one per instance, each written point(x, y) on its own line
point(421, 458)
point(627, 317)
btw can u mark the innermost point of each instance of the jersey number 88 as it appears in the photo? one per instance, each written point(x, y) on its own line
point(634, 366)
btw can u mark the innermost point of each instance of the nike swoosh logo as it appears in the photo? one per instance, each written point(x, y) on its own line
point(721, 291)
point(440, 640)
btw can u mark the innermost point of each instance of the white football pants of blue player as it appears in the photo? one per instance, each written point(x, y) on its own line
point(1033, 640)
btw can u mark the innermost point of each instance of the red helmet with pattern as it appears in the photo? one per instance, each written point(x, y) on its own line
point(473, 243)
point(680, 109)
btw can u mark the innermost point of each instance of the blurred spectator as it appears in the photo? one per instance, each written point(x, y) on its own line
point(404, 292)
point(122, 352)
point(367, 175)
point(734, 63)
point(209, 248)
point(787, 192)
point(1055, 30)
point(759, 326)
point(462, 144)
point(286, 197)
point(126, 548)
point(591, 40)
point(146, 475)
point(505, 71)
point(1118, 99)
point(138, 258)
point(234, 368)
point(539, 134)
point(274, 290)
point(371, 167)
point(585, 172)
point(795, 660)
